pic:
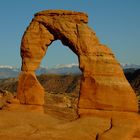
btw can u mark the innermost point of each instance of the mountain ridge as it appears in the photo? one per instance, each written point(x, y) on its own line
point(61, 69)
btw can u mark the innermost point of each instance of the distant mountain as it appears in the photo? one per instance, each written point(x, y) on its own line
point(130, 66)
point(9, 71)
point(64, 69)
point(60, 69)
point(133, 76)
point(74, 69)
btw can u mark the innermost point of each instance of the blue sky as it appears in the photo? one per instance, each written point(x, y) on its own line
point(116, 23)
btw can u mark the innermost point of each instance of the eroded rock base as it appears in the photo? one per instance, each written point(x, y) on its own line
point(30, 91)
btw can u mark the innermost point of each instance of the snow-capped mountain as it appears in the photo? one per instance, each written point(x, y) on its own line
point(66, 65)
point(60, 69)
point(9, 71)
point(8, 67)
point(130, 66)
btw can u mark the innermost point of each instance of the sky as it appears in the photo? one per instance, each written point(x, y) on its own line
point(116, 23)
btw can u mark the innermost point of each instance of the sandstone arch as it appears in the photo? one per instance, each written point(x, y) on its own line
point(103, 85)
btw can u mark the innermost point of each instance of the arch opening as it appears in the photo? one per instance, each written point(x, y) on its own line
point(57, 53)
point(61, 80)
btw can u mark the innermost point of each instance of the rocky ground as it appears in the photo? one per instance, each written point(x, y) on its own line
point(60, 120)
point(67, 85)
point(101, 125)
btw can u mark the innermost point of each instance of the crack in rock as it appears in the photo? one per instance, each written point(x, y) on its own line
point(111, 125)
point(105, 131)
point(97, 136)
point(34, 131)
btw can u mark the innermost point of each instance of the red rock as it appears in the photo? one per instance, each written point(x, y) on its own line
point(103, 85)
point(30, 91)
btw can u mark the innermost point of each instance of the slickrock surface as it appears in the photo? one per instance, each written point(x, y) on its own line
point(103, 125)
point(103, 85)
point(58, 120)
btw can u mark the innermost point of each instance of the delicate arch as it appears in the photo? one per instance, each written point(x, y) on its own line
point(103, 84)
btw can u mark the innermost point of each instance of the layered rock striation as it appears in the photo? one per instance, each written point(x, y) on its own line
point(103, 85)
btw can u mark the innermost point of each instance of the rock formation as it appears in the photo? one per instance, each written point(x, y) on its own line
point(103, 86)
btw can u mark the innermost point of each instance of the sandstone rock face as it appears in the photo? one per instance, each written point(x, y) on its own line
point(103, 85)
point(29, 89)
